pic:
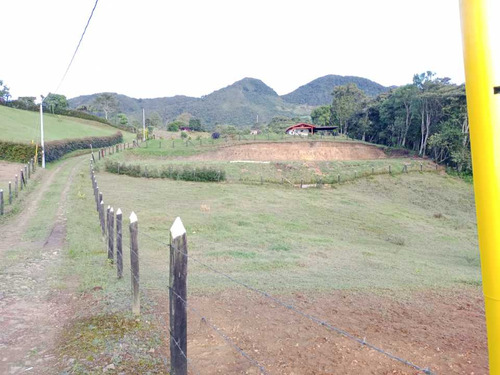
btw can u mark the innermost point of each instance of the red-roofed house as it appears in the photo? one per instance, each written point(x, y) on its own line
point(306, 129)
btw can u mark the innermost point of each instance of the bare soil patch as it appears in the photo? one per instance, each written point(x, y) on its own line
point(293, 151)
point(442, 330)
point(8, 171)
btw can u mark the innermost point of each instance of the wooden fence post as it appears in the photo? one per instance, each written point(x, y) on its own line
point(97, 195)
point(1, 201)
point(101, 215)
point(111, 235)
point(421, 166)
point(10, 192)
point(15, 187)
point(26, 174)
point(29, 170)
point(21, 180)
point(119, 248)
point(178, 298)
point(389, 169)
point(134, 264)
point(338, 179)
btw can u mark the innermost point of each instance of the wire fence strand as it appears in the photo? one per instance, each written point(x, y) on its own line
point(288, 306)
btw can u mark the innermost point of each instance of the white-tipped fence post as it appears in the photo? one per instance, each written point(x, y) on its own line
point(119, 248)
point(10, 192)
point(111, 237)
point(134, 264)
point(178, 298)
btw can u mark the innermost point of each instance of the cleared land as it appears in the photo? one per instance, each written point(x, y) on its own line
point(291, 151)
point(24, 126)
point(348, 159)
point(392, 259)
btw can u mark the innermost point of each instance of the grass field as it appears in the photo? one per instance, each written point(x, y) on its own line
point(398, 233)
point(163, 154)
point(24, 126)
point(364, 254)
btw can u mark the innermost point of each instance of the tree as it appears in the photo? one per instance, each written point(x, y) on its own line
point(321, 115)
point(4, 92)
point(195, 125)
point(122, 119)
point(107, 103)
point(347, 100)
point(175, 126)
point(55, 102)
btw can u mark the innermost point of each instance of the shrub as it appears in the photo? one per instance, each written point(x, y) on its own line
point(197, 174)
point(18, 152)
point(56, 149)
point(215, 135)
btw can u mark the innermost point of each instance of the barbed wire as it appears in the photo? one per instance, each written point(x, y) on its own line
point(309, 316)
point(288, 306)
point(221, 334)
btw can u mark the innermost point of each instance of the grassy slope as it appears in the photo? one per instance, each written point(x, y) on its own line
point(382, 232)
point(24, 126)
point(160, 154)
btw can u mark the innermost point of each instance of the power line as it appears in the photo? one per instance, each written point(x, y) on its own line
point(77, 47)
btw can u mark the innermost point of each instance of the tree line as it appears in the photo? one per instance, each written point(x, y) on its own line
point(428, 117)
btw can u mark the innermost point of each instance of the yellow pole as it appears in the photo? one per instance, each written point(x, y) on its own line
point(484, 116)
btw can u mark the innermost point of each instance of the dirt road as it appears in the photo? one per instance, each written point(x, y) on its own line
point(32, 309)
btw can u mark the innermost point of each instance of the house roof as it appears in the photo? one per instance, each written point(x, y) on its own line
point(302, 125)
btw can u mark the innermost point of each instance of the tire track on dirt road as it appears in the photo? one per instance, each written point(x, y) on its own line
point(32, 310)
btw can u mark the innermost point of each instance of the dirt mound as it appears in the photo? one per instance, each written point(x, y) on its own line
point(303, 151)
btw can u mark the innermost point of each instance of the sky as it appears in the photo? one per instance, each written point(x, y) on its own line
point(151, 48)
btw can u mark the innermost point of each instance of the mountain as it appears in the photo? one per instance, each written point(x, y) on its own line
point(243, 103)
point(319, 91)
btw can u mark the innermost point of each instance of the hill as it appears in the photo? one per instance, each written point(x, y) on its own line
point(24, 126)
point(243, 103)
point(319, 91)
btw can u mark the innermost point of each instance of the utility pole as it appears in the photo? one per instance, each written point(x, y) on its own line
point(143, 125)
point(41, 131)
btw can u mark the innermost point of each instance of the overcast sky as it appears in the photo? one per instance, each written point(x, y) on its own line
point(152, 48)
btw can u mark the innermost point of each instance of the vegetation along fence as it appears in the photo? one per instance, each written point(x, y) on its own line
point(20, 181)
point(117, 239)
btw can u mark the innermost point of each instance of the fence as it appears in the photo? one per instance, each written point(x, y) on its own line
point(180, 363)
point(8, 198)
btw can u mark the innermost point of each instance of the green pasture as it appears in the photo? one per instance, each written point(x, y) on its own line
point(408, 231)
point(162, 154)
point(24, 126)
point(286, 173)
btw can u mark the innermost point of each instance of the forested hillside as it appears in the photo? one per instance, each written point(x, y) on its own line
point(244, 103)
point(319, 91)
point(428, 117)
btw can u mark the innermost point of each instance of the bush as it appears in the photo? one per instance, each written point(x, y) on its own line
point(56, 149)
point(197, 174)
point(17, 152)
point(215, 135)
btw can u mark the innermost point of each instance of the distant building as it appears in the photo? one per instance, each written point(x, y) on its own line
point(255, 132)
point(185, 129)
point(304, 129)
